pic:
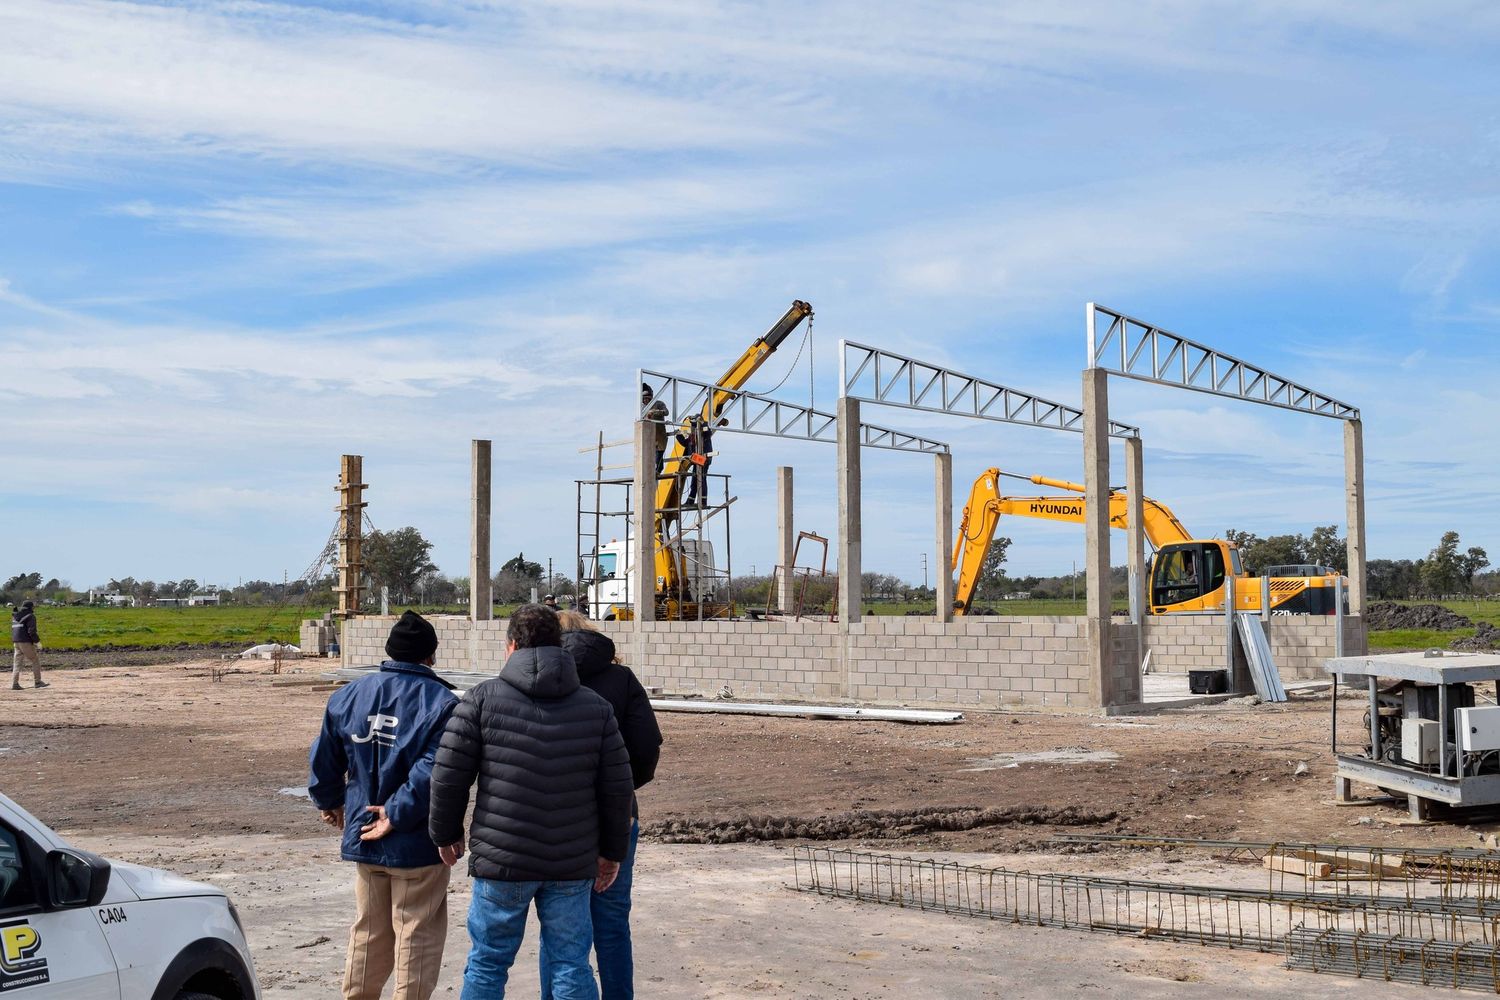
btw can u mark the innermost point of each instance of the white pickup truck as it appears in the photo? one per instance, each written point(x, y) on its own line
point(74, 926)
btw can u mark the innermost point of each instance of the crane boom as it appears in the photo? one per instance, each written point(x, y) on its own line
point(670, 570)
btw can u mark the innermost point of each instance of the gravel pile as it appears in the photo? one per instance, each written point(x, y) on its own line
point(1383, 616)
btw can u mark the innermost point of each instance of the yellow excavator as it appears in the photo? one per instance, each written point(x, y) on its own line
point(677, 583)
point(1186, 573)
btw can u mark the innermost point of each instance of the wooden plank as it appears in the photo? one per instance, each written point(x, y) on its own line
point(1297, 866)
point(1356, 861)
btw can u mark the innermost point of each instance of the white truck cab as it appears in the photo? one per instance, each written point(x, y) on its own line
point(74, 926)
point(616, 559)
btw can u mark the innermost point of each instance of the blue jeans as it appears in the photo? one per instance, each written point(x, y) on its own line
point(497, 922)
point(611, 912)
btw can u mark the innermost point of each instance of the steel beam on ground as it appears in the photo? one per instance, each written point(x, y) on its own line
point(1133, 348)
point(749, 413)
point(879, 376)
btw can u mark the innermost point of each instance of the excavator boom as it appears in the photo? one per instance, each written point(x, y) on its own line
point(1189, 576)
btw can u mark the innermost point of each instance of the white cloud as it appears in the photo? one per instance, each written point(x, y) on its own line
point(438, 228)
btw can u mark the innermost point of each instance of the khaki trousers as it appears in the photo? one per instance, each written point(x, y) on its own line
point(25, 652)
point(400, 924)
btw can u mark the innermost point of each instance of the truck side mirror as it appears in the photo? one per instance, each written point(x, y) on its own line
point(75, 878)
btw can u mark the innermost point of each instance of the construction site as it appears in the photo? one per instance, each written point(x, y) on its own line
point(1217, 785)
point(948, 501)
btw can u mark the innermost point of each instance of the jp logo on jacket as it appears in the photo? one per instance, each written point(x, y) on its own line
point(382, 731)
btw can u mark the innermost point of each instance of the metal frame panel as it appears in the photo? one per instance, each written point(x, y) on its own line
point(749, 413)
point(1136, 349)
point(879, 376)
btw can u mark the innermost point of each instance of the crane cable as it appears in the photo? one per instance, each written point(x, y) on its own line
point(806, 338)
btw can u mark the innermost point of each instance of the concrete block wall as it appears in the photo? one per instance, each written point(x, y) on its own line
point(754, 660)
point(974, 662)
point(1300, 643)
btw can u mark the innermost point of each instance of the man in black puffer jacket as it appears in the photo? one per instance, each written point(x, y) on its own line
point(552, 813)
point(594, 653)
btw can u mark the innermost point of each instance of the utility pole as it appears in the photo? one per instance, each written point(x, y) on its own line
point(1075, 579)
point(924, 571)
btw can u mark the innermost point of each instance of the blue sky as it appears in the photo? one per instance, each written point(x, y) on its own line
point(243, 238)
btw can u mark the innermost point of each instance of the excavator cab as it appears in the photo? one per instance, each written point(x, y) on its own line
point(1187, 571)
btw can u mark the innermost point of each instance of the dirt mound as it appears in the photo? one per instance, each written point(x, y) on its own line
point(1383, 616)
point(1485, 638)
point(872, 824)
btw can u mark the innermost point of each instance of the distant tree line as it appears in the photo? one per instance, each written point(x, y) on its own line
point(400, 561)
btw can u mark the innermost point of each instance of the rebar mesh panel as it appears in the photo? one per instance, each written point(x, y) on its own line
point(1232, 917)
point(1465, 965)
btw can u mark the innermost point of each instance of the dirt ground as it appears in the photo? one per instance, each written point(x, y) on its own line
point(163, 766)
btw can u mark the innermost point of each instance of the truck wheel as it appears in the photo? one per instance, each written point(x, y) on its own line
point(195, 995)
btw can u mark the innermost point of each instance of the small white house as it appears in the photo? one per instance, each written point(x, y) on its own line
point(203, 600)
point(113, 600)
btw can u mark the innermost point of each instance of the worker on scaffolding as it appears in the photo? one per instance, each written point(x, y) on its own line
point(698, 444)
point(656, 413)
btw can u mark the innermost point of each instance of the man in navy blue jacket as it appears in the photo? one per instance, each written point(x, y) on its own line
point(371, 767)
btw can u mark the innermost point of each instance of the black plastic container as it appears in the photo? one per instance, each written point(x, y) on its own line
point(1208, 681)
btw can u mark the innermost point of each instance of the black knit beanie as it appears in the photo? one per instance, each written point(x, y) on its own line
point(412, 640)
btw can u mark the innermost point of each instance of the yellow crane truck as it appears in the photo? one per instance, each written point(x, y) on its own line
point(675, 594)
point(1185, 573)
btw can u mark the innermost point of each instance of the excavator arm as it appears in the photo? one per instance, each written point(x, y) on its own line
point(986, 506)
point(1188, 575)
point(669, 567)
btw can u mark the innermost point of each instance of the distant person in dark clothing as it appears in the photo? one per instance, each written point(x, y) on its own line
point(26, 643)
point(656, 412)
point(552, 811)
point(370, 769)
point(600, 671)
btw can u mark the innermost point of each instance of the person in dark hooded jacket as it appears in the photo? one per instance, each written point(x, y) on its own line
point(552, 811)
point(25, 642)
point(598, 670)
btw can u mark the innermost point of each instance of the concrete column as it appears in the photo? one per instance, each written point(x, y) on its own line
point(1354, 500)
point(786, 540)
point(1135, 532)
point(851, 589)
point(481, 606)
point(1096, 533)
point(643, 524)
point(944, 565)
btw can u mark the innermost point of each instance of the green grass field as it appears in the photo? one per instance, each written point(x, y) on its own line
point(1418, 638)
point(97, 628)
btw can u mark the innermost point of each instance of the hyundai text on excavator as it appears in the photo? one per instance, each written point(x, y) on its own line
point(682, 565)
point(1186, 573)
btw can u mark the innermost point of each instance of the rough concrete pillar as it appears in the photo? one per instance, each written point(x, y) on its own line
point(944, 566)
point(786, 544)
point(1354, 499)
point(481, 607)
point(643, 524)
point(1135, 532)
point(851, 590)
point(351, 534)
point(1096, 533)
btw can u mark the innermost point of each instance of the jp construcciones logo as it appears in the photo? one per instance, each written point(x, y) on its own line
point(21, 963)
